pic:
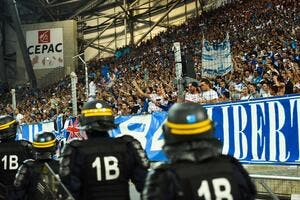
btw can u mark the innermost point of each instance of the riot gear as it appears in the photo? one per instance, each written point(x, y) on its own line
point(8, 128)
point(187, 122)
point(44, 145)
point(12, 153)
point(196, 169)
point(31, 182)
point(96, 116)
point(120, 159)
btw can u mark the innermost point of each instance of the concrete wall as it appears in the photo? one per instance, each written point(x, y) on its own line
point(48, 76)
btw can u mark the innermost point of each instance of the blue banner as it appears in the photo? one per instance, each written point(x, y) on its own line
point(256, 131)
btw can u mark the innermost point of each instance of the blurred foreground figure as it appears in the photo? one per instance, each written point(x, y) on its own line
point(12, 153)
point(196, 168)
point(100, 167)
point(33, 179)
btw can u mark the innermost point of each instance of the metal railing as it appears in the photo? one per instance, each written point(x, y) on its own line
point(276, 187)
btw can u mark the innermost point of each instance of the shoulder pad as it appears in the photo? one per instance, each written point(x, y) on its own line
point(161, 167)
point(163, 175)
point(75, 142)
point(245, 174)
point(26, 143)
point(20, 176)
point(127, 138)
point(65, 161)
point(231, 159)
point(138, 151)
point(67, 150)
point(28, 162)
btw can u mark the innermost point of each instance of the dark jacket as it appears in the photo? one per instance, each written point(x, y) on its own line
point(197, 170)
point(12, 154)
point(100, 168)
point(33, 180)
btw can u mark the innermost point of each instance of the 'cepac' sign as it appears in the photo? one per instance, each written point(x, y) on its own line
point(45, 47)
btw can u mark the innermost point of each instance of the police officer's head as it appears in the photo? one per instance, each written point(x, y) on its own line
point(44, 145)
point(96, 116)
point(8, 128)
point(187, 122)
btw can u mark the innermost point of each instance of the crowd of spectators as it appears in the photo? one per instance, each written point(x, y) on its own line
point(264, 35)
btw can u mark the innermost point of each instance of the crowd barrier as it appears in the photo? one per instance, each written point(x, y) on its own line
point(256, 131)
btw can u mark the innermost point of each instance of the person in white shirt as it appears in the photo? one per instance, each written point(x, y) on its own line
point(192, 95)
point(92, 89)
point(245, 94)
point(248, 77)
point(156, 98)
point(265, 90)
point(19, 116)
point(208, 95)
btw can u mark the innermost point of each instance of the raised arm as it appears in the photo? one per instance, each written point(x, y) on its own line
point(139, 89)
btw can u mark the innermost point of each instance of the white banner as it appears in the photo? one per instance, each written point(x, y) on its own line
point(216, 58)
point(45, 48)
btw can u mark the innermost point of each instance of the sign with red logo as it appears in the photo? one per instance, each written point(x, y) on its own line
point(45, 48)
point(44, 36)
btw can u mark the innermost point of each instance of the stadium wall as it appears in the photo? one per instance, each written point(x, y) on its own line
point(47, 75)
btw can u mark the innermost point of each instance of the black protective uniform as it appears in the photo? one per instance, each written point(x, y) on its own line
point(30, 182)
point(196, 168)
point(193, 176)
point(100, 167)
point(12, 154)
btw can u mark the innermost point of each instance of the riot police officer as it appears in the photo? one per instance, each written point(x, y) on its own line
point(196, 168)
point(33, 178)
point(12, 153)
point(101, 166)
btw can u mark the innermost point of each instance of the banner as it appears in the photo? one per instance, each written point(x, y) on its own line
point(45, 48)
point(256, 131)
point(216, 58)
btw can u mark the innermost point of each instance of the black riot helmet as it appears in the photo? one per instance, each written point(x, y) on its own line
point(187, 122)
point(96, 116)
point(44, 145)
point(8, 128)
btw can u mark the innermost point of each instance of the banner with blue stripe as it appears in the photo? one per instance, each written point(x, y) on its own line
point(256, 131)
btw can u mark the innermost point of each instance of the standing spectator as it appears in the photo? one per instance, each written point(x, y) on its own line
point(252, 91)
point(92, 168)
point(222, 90)
point(245, 94)
point(208, 95)
point(156, 98)
point(256, 77)
point(248, 76)
point(192, 95)
point(289, 86)
point(92, 89)
point(196, 167)
point(19, 116)
point(265, 90)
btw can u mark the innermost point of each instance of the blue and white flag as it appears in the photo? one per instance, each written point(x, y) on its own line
point(216, 58)
point(257, 131)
